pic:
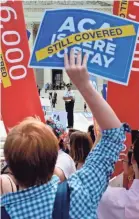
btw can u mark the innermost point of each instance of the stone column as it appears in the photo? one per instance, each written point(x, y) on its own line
point(47, 76)
point(30, 29)
point(100, 84)
point(65, 77)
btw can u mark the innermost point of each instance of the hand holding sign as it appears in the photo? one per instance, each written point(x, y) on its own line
point(77, 70)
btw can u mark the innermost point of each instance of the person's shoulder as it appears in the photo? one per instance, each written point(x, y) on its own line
point(62, 154)
point(7, 184)
point(113, 202)
point(65, 163)
point(114, 196)
point(65, 159)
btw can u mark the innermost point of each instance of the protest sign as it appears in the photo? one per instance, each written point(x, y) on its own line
point(102, 36)
point(124, 99)
point(60, 117)
point(46, 105)
point(19, 93)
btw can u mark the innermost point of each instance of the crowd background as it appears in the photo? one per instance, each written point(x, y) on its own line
point(53, 86)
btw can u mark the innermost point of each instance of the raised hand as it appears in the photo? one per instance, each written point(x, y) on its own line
point(76, 68)
point(77, 71)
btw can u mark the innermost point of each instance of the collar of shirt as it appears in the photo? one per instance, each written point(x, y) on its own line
point(38, 198)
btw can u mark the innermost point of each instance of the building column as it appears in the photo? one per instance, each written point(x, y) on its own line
point(100, 84)
point(66, 78)
point(30, 29)
point(47, 76)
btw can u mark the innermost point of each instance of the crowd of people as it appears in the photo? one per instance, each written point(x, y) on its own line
point(56, 86)
point(53, 98)
point(51, 87)
point(52, 173)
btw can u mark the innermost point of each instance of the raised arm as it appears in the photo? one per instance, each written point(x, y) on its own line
point(78, 73)
point(89, 183)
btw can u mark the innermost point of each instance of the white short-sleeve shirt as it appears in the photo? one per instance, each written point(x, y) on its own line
point(69, 94)
point(65, 163)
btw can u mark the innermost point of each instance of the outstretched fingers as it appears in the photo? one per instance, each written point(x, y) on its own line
point(79, 59)
point(70, 61)
point(85, 59)
point(72, 57)
point(66, 61)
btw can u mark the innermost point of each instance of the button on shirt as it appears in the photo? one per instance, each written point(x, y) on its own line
point(119, 203)
point(86, 185)
point(69, 94)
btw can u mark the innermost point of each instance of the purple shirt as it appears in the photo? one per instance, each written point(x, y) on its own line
point(119, 203)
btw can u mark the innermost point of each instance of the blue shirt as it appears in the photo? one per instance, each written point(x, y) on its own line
point(86, 186)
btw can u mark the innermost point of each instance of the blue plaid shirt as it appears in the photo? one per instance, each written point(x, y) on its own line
point(86, 186)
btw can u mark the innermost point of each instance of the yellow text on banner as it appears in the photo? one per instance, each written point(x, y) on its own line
point(123, 8)
point(3, 73)
point(87, 36)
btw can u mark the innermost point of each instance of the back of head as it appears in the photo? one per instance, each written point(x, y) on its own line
point(31, 151)
point(81, 145)
point(136, 150)
point(71, 131)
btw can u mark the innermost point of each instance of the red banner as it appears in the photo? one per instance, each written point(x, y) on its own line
point(125, 99)
point(20, 97)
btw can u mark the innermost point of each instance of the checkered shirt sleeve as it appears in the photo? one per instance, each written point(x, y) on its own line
point(89, 183)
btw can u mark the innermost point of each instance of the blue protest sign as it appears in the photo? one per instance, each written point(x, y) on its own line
point(108, 40)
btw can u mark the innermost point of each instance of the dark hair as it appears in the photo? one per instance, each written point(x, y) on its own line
point(31, 151)
point(81, 145)
point(91, 132)
point(71, 130)
point(61, 145)
point(136, 150)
